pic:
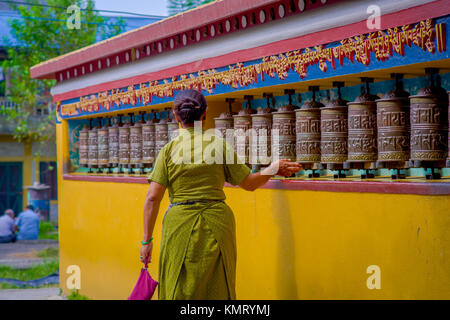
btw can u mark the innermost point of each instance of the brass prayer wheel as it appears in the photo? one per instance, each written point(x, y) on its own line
point(172, 126)
point(393, 125)
point(84, 147)
point(113, 143)
point(161, 135)
point(448, 132)
point(362, 127)
point(103, 153)
point(225, 121)
point(124, 144)
point(283, 133)
point(148, 141)
point(242, 125)
point(334, 130)
point(307, 128)
point(136, 143)
point(260, 139)
point(429, 112)
point(93, 147)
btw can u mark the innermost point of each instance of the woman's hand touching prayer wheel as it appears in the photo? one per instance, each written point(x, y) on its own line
point(281, 167)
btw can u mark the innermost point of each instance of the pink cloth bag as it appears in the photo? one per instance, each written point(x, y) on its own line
point(145, 286)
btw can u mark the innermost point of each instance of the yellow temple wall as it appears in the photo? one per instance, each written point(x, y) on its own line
point(291, 244)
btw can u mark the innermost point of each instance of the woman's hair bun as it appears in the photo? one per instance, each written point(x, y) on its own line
point(189, 105)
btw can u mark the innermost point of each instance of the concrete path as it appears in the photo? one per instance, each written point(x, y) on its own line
point(22, 254)
point(31, 294)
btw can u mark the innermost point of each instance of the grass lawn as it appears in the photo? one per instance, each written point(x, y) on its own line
point(49, 266)
point(47, 231)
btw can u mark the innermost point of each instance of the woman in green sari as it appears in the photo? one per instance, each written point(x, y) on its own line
point(198, 245)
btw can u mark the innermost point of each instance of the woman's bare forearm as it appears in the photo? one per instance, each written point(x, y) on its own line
point(255, 180)
point(151, 208)
point(282, 167)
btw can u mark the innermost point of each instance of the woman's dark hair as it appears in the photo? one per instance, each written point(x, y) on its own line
point(189, 105)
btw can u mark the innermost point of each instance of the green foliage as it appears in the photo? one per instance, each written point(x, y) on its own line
point(47, 231)
point(50, 252)
point(42, 33)
point(177, 6)
point(36, 272)
point(45, 227)
point(74, 295)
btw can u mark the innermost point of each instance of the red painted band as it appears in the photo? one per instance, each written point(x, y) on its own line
point(388, 187)
point(404, 17)
point(156, 31)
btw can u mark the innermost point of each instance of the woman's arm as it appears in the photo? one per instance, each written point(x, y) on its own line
point(281, 167)
point(151, 208)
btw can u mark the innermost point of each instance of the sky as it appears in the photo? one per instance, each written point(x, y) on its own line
point(150, 7)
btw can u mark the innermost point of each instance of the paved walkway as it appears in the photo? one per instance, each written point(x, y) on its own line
point(31, 294)
point(22, 254)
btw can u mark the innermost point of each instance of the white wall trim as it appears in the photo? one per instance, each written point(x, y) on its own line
point(332, 16)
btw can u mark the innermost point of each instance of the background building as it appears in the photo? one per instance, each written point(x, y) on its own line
point(27, 162)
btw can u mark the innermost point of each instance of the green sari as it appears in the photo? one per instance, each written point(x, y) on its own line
point(198, 244)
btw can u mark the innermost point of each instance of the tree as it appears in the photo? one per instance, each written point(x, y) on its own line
point(42, 33)
point(177, 6)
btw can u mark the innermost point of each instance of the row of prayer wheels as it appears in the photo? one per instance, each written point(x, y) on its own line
point(128, 144)
point(397, 131)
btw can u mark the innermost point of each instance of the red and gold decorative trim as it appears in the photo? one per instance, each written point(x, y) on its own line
point(356, 49)
point(440, 37)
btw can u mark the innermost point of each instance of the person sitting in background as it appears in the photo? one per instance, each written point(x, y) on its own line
point(7, 227)
point(28, 224)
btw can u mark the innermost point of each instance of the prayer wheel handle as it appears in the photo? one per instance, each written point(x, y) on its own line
point(230, 102)
point(367, 81)
point(290, 93)
point(339, 85)
point(249, 98)
point(131, 114)
point(398, 83)
point(269, 96)
point(313, 89)
point(433, 73)
point(142, 113)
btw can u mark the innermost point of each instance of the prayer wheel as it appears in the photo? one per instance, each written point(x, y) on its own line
point(334, 131)
point(283, 133)
point(362, 129)
point(148, 141)
point(260, 139)
point(172, 126)
point(429, 126)
point(136, 143)
point(124, 144)
point(161, 136)
point(113, 143)
point(93, 147)
point(307, 127)
point(84, 147)
point(225, 122)
point(242, 125)
point(103, 153)
point(393, 127)
point(447, 164)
